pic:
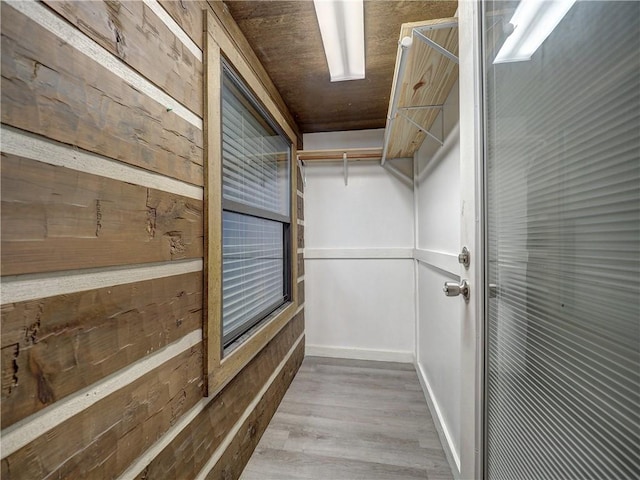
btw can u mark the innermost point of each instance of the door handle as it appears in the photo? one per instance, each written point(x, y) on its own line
point(453, 289)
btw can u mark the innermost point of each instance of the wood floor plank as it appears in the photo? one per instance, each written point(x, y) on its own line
point(274, 464)
point(348, 420)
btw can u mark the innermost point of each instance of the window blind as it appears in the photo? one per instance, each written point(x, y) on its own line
point(256, 210)
point(252, 269)
point(563, 183)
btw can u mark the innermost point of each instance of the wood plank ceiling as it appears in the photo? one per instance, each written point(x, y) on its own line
point(286, 37)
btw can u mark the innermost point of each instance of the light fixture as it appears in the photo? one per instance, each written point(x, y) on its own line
point(532, 22)
point(342, 29)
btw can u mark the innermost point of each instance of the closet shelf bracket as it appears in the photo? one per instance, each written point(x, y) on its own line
point(436, 46)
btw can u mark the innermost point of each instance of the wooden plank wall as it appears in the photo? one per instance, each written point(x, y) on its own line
point(102, 235)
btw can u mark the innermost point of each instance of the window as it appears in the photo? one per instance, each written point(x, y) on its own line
point(256, 204)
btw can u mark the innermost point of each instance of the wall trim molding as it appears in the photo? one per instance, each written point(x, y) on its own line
point(360, 353)
point(28, 429)
point(20, 288)
point(67, 33)
point(447, 262)
point(452, 455)
point(358, 253)
point(34, 147)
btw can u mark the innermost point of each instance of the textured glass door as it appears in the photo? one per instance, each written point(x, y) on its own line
point(562, 153)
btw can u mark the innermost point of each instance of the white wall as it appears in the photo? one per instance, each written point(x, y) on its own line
point(359, 279)
point(438, 243)
point(376, 257)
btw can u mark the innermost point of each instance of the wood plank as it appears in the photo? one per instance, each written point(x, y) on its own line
point(213, 207)
point(58, 345)
point(428, 79)
point(237, 455)
point(338, 155)
point(49, 88)
point(295, 228)
point(300, 206)
point(300, 264)
point(299, 182)
point(244, 68)
point(235, 361)
point(300, 236)
point(189, 15)
point(133, 33)
point(301, 293)
point(89, 221)
point(194, 446)
point(221, 10)
point(101, 441)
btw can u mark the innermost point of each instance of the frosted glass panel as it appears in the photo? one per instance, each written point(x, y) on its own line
point(563, 220)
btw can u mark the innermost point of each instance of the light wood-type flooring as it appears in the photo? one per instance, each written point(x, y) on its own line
point(350, 420)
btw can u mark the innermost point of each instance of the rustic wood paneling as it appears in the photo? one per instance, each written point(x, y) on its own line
point(189, 15)
point(300, 236)
point(300, 203)
point(101, 441)
point(300, 182)
point(55, 218)
point(300, 264)
point(131, 31)
point(51, 89)
point(237, 455)
point(301, 292)
point(192, 448)
point(55, 346)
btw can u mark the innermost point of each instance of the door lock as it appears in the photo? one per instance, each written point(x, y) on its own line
point(465, 257)
point(453, 289)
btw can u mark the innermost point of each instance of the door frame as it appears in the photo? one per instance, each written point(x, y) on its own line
point(472, 235)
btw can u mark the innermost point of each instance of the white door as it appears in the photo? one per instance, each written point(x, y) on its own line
point(447, 209)
point(471, 231)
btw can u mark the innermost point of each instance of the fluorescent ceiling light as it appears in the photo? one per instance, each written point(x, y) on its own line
point(532, 22)
point(342, 29)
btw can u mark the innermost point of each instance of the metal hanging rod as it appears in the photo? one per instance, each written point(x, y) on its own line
point(421, 107)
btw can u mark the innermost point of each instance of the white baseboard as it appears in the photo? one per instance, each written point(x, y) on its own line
point(445, 437)
point(359, 353)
